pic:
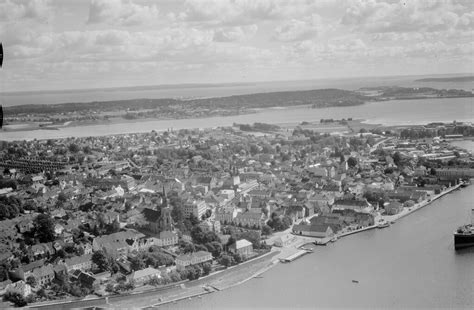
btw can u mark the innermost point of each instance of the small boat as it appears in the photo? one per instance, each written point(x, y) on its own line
point(383, 225)
point(392, 222)
point(355, 281)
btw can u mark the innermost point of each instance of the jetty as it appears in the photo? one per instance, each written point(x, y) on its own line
point(294, 256)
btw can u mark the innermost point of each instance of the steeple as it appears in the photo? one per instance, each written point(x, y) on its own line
point(164, 203)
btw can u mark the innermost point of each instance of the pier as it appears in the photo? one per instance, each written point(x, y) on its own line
point(294, 256)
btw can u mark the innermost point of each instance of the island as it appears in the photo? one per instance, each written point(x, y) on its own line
point(448, 79)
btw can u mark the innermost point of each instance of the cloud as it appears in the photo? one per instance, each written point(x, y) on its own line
point(299, 29)
point(121, 12)
point(242, 12)
point(34, 9)
point(238, 33)
point(405, 16)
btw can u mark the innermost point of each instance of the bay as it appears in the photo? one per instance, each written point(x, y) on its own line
point(395, 112)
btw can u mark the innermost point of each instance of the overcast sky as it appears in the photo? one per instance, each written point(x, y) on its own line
point(63, 44)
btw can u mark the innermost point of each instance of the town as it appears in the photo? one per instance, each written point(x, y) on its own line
point(128, 213)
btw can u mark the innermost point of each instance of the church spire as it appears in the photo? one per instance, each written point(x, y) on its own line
point(164, 198)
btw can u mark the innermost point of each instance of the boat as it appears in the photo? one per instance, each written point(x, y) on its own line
point(464, 235)
point(355, 281)
point(392, 222)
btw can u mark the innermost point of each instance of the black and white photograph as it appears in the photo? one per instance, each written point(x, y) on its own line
point(236, 154)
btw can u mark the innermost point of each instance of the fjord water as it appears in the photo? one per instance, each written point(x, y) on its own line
point(411, 264)
point(395, 112)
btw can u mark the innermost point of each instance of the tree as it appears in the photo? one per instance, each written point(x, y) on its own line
point(237, 258)
point(136, 263)
point(62, 197)
point(16, 298)
point(397, 158)
point(352, 162)
point(31, 281)
point(266, 230)
point(100, 259)
point(217, 248)
point(194, 273)
point(74, 148)
point(206, 268)
point(44, 228)
point(226, 260)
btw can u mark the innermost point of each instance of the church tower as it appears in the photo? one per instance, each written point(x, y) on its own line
point(234, 175)
point(165, 222)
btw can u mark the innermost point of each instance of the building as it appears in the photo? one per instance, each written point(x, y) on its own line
point(145, 275)
point(455, 173)
point(190, 259)
point(167, 238)
point(196, 208)
point(249, 219)
point(83, 262)
point(242, 247)
point(393, 207)
point(352, 204)
point(43, 275)
point(19, 287)
point(314, 230)
point(226, 215)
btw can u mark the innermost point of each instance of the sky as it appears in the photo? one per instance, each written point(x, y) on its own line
point(73, 44)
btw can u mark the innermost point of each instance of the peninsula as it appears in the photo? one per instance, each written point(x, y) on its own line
point(138, 220)
point(50, 116)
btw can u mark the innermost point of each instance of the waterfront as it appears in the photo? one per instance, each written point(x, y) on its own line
point(410, 264)
point(395, 112)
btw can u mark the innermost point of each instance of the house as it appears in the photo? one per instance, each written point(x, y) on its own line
point(314, 230)
point(190, 259)
point(43, 275)
point(196, 208)
point(353, 204)
point(249, 219)
point(242, 247)
point(393, 207)
point(226, 214)
point(19, 287)
point(83, 262)
point(117, 243)
point(144, 275)
point(209, 225)
point(284, 240)
point(167, 238)
point(23, 272)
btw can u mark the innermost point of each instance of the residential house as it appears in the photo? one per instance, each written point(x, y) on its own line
point(242, 247)
point(19, 287)
point(190, 259)
point(83, 262)
point(393, 207)
point(144, 275)
point(43, 275)
point(249, 219)
point(357, 205)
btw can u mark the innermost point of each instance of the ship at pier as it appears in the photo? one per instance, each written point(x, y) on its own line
point(464, 235)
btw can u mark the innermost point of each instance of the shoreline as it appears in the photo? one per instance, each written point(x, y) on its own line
point(249, 269)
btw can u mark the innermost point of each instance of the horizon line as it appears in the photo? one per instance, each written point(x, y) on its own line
point(202, 85)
